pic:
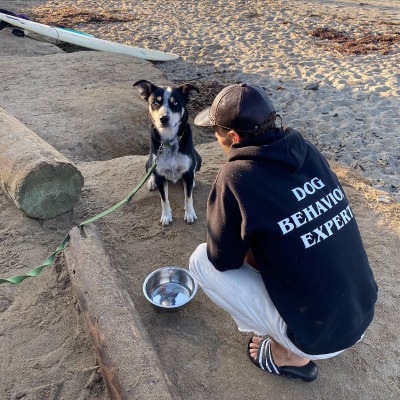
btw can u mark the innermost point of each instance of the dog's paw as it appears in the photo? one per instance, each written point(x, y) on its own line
point(151, 183)
point(166, 218)
point(190, 215)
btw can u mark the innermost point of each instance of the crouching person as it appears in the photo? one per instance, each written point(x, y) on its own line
point(284, 255)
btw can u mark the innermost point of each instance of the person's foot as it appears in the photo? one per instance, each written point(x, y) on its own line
point(281, 356)
point(286, 363)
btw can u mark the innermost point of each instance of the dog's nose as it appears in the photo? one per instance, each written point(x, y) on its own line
point(164, 119)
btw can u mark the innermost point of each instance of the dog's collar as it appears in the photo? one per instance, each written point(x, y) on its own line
point(167, 143)
point(170, 142)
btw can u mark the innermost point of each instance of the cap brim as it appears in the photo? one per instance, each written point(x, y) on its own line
point(203, 118)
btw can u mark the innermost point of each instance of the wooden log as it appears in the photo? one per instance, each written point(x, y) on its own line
point(128, 361)
point(38, 178)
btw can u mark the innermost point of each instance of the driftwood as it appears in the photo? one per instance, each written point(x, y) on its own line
point(129, 364)
point(39, 179)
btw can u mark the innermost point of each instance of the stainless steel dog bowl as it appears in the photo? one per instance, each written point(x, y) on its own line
point(169, 287)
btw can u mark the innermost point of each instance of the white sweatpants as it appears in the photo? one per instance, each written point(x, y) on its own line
point(242, 293)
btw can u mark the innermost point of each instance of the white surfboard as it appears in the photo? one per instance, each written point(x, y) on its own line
point(85, 40)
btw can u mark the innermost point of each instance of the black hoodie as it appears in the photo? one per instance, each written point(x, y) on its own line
point(278, 196)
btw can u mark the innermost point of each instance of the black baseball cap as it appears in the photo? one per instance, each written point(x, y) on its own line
point(240, 107)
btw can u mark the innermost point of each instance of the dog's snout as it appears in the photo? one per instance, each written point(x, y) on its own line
point(164, 119)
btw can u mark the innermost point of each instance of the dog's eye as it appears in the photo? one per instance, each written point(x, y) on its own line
point(156, 103)
point(174, 103)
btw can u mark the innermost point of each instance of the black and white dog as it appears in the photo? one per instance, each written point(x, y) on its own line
point(171, 144)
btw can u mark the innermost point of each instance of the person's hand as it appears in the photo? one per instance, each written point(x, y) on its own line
point(249, 259)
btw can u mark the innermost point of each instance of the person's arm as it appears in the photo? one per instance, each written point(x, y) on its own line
point(225, 246)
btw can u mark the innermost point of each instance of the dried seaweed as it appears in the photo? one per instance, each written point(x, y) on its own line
point(70, 17)
point(364, 43)
point(208, 91)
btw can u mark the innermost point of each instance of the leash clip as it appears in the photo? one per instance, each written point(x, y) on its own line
point(159, 152)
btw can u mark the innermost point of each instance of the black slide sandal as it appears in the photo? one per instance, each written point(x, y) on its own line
point(264, 361)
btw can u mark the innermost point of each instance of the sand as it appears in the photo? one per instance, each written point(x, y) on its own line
point(96, 120)
point(353, 117)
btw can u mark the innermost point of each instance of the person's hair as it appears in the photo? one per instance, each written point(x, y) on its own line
point(267, 124)
point(221, 131)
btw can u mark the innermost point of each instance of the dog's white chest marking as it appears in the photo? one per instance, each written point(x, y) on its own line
point(172, 164)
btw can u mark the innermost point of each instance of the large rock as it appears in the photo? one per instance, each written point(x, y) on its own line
point(81, 103)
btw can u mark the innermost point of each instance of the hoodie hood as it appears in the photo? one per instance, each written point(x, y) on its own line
point(278, 146)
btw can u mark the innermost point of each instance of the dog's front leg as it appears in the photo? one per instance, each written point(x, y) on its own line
point(166, 212)
point(190, 214)
point(151, 183)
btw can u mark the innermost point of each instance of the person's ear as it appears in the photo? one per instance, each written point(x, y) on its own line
point(234, 136)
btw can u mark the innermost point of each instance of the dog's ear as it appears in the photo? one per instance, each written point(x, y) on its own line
point(145, 88)
point(187, 89)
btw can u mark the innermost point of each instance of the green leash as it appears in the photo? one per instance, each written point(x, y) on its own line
point(50, 259)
